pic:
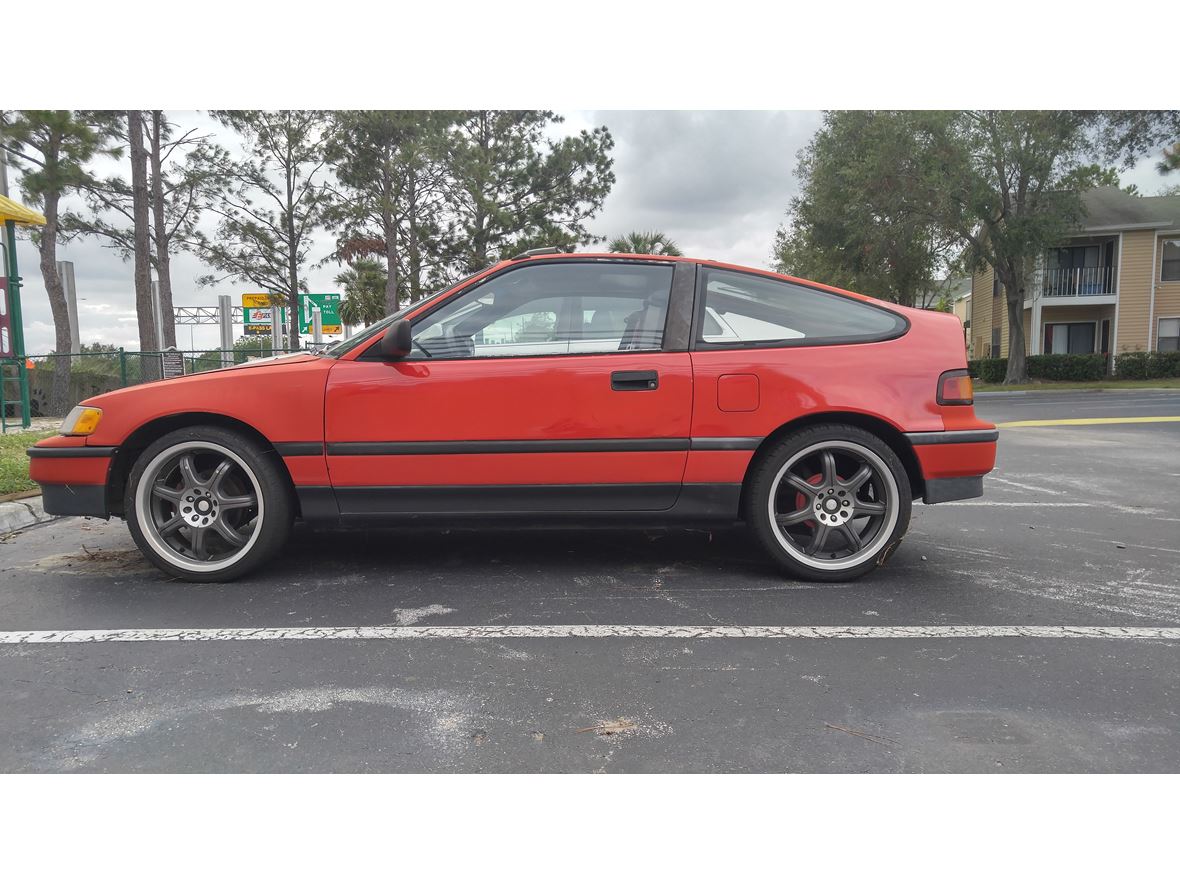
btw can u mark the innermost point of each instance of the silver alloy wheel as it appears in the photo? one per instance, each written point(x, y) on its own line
point(200, 506)
point(833, 505)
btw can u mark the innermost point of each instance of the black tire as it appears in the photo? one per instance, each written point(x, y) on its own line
point(875, 513)
point(218, 504)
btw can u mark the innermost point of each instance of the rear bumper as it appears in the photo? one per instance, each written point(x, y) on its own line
point(73, 478)
point(954, 488)
point(954, 462)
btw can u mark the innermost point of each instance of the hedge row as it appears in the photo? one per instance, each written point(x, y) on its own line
point(1148, 364)
point(1045, 367)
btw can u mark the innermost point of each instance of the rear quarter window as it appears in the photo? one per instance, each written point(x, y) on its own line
point(746, 309)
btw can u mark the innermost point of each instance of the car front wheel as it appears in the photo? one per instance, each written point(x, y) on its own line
point(829, 503)
point(207, 504)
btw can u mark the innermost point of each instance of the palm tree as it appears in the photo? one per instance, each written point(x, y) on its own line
point(364, 292)
point(644, 243)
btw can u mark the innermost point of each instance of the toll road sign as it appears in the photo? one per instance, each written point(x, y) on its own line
point(329, 306)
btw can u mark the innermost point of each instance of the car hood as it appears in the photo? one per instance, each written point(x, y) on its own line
point(274, 363)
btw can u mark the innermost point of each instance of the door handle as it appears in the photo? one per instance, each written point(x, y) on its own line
point(649, 380)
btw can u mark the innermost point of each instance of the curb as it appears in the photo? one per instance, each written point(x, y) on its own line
point(17, 515)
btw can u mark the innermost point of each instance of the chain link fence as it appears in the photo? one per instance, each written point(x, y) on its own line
point(57, 382)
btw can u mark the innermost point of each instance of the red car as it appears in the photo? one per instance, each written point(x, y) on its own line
point(597, 388)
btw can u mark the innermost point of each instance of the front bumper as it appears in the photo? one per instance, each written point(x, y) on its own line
point(73, 478)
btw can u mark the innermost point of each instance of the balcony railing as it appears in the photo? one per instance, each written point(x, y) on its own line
point(1066, 282)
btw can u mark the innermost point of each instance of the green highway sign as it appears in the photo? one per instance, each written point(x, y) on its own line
point(329, 306)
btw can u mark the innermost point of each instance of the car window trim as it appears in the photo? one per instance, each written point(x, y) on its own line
point(697, 343)
point(521, 265)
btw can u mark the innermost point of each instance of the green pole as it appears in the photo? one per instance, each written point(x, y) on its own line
point(18, 328)
point(122, 367)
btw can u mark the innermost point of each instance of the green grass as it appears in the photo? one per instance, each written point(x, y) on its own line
point(1109, 384)
point(14, 463)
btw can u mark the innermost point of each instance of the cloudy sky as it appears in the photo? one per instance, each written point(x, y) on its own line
point(717, 182)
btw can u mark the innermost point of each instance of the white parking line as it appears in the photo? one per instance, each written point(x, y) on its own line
point(1016, 504)
point(581, 631)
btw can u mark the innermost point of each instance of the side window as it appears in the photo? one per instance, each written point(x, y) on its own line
point(552, 309)
point(746, 309)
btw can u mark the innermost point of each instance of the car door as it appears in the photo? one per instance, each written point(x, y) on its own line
point(546, 387)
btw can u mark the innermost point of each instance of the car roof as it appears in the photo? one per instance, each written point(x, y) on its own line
point(708, 262)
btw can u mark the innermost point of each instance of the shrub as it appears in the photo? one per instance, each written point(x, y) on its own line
point(1133, 366)
point(1165, 364)
point(990, 370)
point(1067, 367)
point(1148, 364)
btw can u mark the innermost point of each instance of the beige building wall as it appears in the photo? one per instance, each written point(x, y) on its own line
point(1139, 266)
point(1134, 286)
point(981, 312)
point(1167, 295)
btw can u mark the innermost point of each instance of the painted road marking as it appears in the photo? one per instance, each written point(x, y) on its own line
point(1015, 504)
point(579, 631)
point(1058, 422)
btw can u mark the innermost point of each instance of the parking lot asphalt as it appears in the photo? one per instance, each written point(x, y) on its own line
point(1078, 528)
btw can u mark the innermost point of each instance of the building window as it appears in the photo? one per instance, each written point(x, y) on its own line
point(1169, 334)
point(995, 287)
point(1170, 263)
point(996, 341)
point(1069, 337)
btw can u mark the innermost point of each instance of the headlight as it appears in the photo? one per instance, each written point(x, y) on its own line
point(81, 421)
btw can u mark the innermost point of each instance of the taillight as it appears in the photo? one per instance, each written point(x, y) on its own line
point(954, 388)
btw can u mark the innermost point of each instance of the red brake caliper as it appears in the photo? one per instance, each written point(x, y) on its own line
point(801, 502)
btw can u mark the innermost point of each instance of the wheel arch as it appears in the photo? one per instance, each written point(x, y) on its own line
point(144, 435)
point(882, 429)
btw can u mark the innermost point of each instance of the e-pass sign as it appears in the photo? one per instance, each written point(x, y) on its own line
point(258, 313)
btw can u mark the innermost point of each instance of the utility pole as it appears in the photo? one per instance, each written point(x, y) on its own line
point(65, 270)
point(226, 321)
point(157, 314)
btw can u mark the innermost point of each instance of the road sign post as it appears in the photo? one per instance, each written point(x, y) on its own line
point(317, 325)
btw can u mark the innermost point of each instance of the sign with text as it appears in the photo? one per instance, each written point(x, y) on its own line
point(257, 313)
point(329, 306)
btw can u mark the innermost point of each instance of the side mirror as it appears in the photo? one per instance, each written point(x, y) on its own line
point(397, 341)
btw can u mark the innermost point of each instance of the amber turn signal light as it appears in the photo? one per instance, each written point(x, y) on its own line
point(955, 389)
point(81, 421)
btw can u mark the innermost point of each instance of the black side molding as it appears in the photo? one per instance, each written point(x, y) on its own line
point(508, 446)
point(943, 437)
point(71, 452)
point(956, 488)
point(726, 443)
point(290, 449)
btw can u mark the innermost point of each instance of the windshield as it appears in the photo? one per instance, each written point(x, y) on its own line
point(340, 348)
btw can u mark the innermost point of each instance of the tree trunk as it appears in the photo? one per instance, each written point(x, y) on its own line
point(1013, 281)
point(391, 261)
point(413, 245)
point(59, 399)
point(163, 262)
point(292, 261)
point(391, 256)
point(149, 366)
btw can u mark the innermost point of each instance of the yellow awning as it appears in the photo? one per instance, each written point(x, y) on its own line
point(11, 210)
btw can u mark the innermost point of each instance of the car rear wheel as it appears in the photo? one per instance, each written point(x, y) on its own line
point(207, 504)
point(829, 503)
